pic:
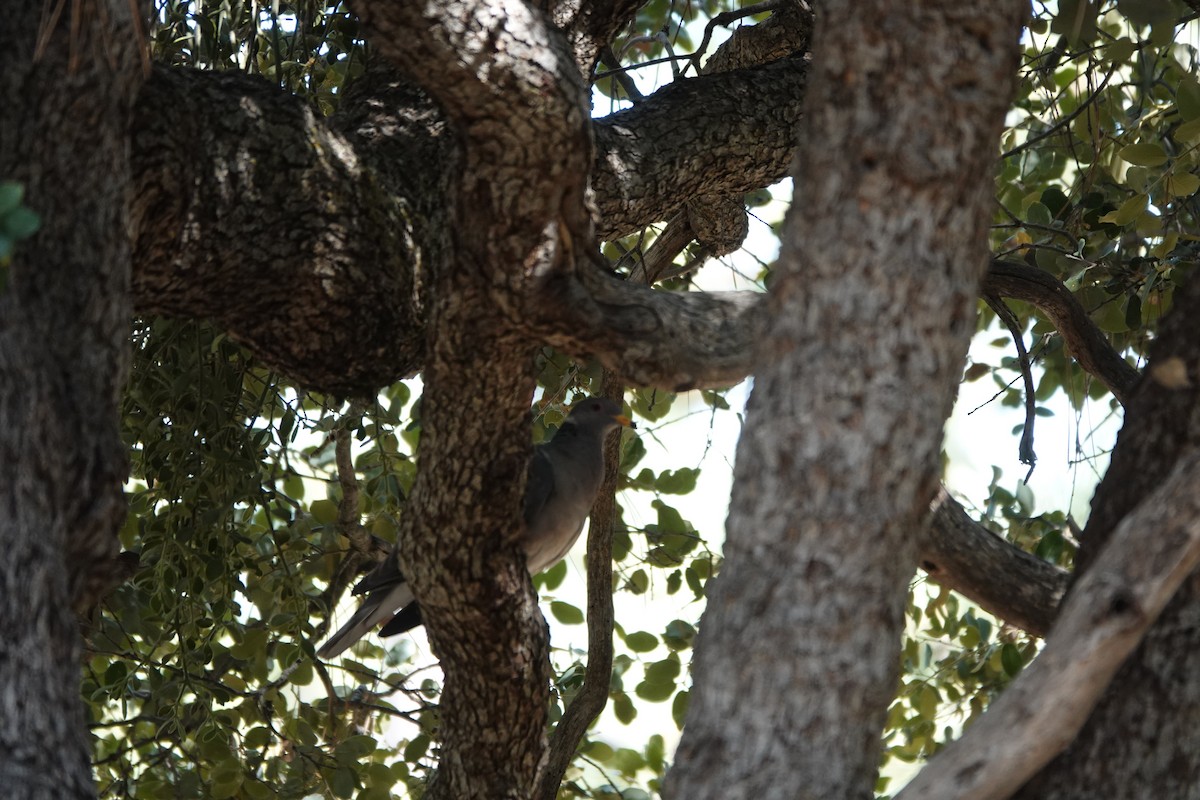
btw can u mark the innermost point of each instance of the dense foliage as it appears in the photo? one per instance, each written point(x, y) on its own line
point(201, 676)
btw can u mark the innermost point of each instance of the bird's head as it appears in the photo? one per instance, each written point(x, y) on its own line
point(598, 413)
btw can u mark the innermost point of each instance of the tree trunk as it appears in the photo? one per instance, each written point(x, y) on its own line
point(799, 648)
point(1141, 740)
point(64, 327)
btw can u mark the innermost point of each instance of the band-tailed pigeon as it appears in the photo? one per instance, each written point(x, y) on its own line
point(564, 477)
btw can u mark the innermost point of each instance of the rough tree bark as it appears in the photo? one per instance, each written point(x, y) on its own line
point(797, 657)
point(518, 218)
point(64, 327)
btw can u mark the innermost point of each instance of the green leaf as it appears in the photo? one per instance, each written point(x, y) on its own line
point(1110, 317)
point(679, 707)
point(1038, 214)
point(1130, 210)
point(257, 738)
point(1050, 547)
point(1187, 98)
point(927, 701)
point(1076, 19)
point(1183, 184)
point(628, 761)
point(674, 582)
point(1188, 132)
point(20, 223)
point(1133, 312)
point(641, 641)
point(1145, 154)
point(11, 194)
point(623, 708)
point(342, 781)
point(1146, 12)
point(1119, 51)
point(355, 748)
point(680, 481)
point(324, 511)
point(566, 613)
point(669, 519)
point(416, 748)
point(663, 671)
point(552, 578)
point(638, 582)
point(1011, 659)
point(655, 692)
point(679, 635)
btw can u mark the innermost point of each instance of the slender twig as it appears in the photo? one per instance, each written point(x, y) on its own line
point(1085, 341)
point(650, 63)
point(609, 58)
point(727, 18)
point(1062, 123)
point(1025, 451)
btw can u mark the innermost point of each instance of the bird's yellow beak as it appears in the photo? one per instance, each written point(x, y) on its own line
point(624, 421)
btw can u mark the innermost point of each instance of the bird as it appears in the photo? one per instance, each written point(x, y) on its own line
point(564, 477)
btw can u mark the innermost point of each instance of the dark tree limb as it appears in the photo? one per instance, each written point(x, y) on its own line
point(68, 83)
point(305, 244)
point(960, 554)
point(1025, 449)
point(315, 253)
point(811, 560)
point(1085, 341)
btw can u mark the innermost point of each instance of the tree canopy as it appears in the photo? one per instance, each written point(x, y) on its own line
point(337, 220)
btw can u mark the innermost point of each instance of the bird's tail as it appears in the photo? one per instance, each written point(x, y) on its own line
point(378, 606)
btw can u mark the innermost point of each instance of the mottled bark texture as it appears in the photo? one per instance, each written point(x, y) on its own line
point(797, 658)
point(64, 316)
point(1141, 740)
point(306, 242)
point(311, 241)
point(1018, 587)
point(507, 83)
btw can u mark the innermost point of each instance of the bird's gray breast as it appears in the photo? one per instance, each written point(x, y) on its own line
point(553, 528)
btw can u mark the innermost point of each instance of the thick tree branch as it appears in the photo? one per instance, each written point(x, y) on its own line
point(798, 657)
point(1148, 556)
point(743, 121)
point(589, 25)
point(306, 245)
point(680, 340)
point(506, 80)
point(962, 555)
point(68, 83)
point(314, 253)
